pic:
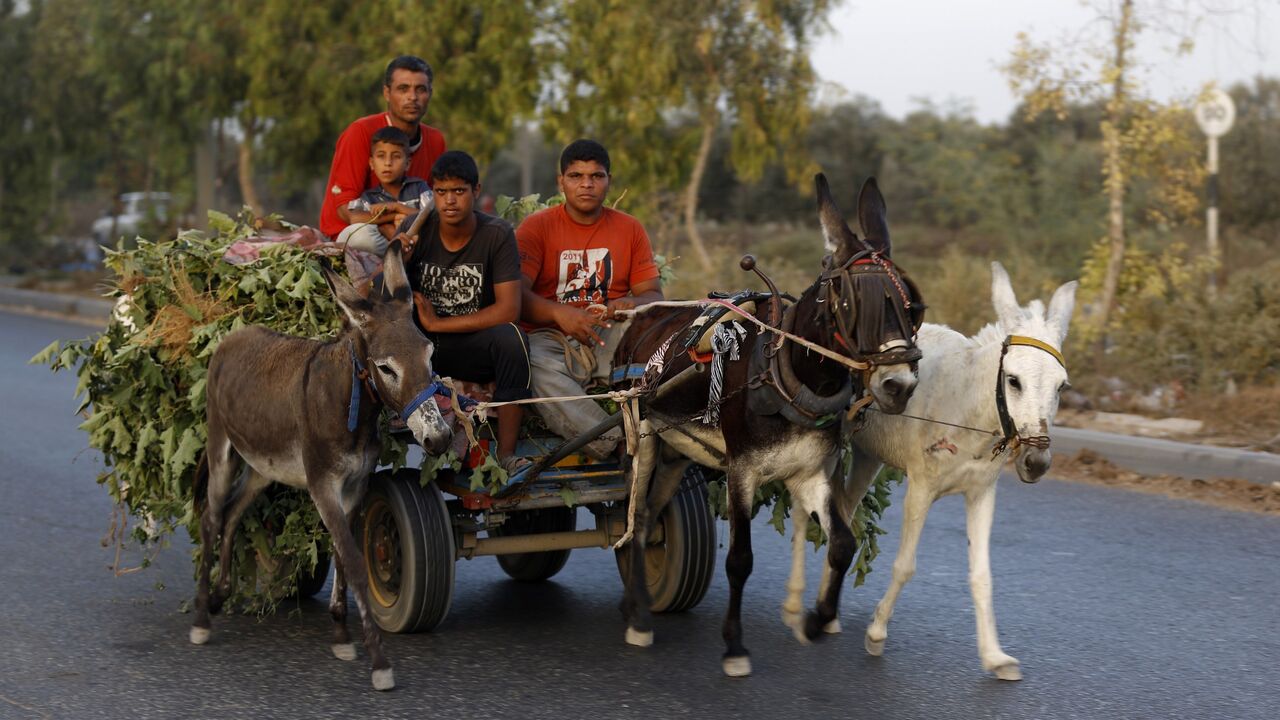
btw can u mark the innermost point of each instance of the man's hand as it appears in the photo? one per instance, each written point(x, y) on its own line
point(626, 302)
point(580, 325)
point(427, 317)
point(407, 243)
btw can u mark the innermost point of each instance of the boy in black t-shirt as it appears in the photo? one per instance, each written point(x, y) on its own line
point(373, 216)
point(464, 269)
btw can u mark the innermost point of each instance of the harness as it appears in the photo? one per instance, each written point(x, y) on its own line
point(854, 325)
point(1011, 439)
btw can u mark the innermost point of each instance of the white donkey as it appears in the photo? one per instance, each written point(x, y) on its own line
point(1014, 363)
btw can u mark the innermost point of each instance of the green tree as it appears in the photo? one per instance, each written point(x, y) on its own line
point(23, 176)
point(657, 80)
point(1142, 140)
point(1250, 170)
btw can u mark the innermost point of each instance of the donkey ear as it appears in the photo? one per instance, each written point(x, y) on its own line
point(357, 309)
point(838, 238)
point(873, 216)
point(394, 279)
point(1002, 297)
point(1061, 305)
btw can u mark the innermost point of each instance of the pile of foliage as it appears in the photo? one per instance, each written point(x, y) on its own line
point(142, 381)
point(143, 386)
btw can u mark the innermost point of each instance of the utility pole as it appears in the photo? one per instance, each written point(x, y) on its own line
point(1215, 114)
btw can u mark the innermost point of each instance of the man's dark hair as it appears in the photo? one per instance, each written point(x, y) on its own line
point(456, 165)
point(586, 151)
point(391, 136)
point(413, 63)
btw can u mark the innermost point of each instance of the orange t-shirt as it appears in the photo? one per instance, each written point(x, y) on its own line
point(583, 264)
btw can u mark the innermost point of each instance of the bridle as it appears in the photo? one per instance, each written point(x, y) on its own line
point(1011, 439)
point(858, 327)
point(855, 327)
point(360, 378)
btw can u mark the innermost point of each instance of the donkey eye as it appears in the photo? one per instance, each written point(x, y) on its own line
point(386, 369)
point(1015, 383)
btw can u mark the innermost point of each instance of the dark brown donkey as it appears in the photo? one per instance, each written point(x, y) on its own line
point(302, 412)
point(781, 407)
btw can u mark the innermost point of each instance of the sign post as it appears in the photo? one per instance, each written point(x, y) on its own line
point(1215, 113)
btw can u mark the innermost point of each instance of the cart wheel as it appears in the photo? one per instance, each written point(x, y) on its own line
point(405, 533)
point(679, 569)
point(310, 583)
point(536, 566)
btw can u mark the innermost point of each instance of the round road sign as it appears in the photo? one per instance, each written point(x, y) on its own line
point(1215, 113)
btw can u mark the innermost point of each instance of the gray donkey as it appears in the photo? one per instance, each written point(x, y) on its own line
point(304, 413)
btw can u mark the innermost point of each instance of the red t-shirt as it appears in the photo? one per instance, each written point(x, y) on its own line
point(350, 174)
point(583, 264)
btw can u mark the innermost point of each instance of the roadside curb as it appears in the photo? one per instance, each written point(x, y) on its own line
point(69, 306)
point(1152, 456)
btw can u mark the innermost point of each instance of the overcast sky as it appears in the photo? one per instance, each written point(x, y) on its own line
point(896, 51)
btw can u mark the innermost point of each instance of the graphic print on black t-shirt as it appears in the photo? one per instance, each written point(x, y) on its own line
point(585, 279)
point(454, 290)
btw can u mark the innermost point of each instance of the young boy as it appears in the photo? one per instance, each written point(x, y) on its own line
point(374, 216)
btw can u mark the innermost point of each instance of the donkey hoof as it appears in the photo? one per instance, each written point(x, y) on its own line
point(833, 627)
point(791, 618)
point(1009, 671)
point(738, 666)
point(199, 635)
point(383, 679)
point(639, 638)
point(875, 647)
point(797, 631)
point(344, 651)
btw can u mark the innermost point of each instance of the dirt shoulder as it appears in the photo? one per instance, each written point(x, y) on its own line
point(1091, 468)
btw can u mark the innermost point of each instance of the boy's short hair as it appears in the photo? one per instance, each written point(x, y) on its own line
point(456, 165)
point(412, 63)
point(584, 150)
point(391, 136)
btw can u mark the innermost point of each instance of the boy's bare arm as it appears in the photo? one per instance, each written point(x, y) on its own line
point(391, 212)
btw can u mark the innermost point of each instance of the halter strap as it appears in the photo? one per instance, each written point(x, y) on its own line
point(1011, 437)
point(1040, 344)
point(437, 387)
point(359, 377)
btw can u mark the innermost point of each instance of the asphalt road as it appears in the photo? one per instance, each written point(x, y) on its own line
point(1119, 605)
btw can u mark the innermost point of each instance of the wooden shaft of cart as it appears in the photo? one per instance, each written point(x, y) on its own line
point(576, 443)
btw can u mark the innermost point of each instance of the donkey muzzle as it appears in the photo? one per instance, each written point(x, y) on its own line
point(429, 428)
point(1032, 463)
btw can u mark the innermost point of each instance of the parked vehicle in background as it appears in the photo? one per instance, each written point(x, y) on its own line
point(134, 212)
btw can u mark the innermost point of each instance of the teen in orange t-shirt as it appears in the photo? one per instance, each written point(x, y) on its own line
point(574, 256)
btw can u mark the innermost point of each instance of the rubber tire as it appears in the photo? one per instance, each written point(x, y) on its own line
point(311, 583)
point(689, 548)
point(420, 600)
point(536, 567)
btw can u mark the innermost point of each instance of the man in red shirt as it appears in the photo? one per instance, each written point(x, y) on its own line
point(407, 89)
point(581, 263)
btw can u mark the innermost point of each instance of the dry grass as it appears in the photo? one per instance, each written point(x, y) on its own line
point(172, 325)
point(1248, 418)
